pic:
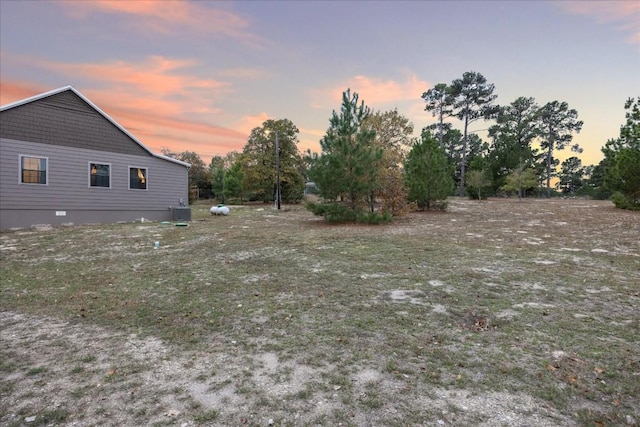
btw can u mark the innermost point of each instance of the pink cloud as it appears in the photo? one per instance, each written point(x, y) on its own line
point(11, 91)
point(159, 84)
point(168, 16)
point(155, 122)
point(376, 93)
point(158, 99)
point(245, 73)
point(179, 135)
point(308, 138)
point(248, 123)
point(625, 14)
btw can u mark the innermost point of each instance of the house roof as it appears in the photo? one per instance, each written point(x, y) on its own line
point(95, 107)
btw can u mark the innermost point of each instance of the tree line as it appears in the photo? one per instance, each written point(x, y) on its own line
point(370, 168)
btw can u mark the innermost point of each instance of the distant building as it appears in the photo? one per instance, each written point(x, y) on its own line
point(310, 188)
point(63, 160)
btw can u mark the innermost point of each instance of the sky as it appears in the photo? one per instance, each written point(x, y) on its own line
point(199, 75)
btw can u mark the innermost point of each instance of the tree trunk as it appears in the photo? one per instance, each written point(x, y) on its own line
point(441, 125)
point(464, 155)
point(549, 171)
point(549, 152)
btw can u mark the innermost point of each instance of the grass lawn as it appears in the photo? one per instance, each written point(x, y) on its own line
point(494, 313)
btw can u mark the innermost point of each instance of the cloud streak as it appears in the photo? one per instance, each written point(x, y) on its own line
point(154, 129)
point(163, 85)
point(624, 14)
point(155, 98)
point(165, 82)
point(168, 17)
point(376, 92)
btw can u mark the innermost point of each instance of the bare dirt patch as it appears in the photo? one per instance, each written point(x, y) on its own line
point(497, 313)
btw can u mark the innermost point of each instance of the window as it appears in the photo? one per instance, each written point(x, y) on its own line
point(137, 178)
point(33, 170)
point(99, 175)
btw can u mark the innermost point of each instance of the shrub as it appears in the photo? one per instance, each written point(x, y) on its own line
point(374, 218)
point(336, 213)
point(333, 213)
point(623, 201)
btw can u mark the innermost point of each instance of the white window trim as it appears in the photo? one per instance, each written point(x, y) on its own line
point(146, 175)
point(89, 174)
point(20, 157)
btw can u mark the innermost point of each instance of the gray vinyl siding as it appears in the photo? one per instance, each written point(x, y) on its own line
point(66, 119)
point(68, 190)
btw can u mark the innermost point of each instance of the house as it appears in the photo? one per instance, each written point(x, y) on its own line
point(64, 161)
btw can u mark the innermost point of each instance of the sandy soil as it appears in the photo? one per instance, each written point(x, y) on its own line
point(86, 375)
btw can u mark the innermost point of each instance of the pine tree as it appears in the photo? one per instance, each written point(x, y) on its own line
point(473, 100)
point(347, 166)
point(428, 176)
point(557, 125)
point(571, 176)
point(622, 160)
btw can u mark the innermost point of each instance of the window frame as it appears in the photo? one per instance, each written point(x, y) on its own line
point(146, 178)
point(21, 170)
point(89, 174)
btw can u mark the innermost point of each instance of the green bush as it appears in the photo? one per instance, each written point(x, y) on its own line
point(374, 218)
point(333, 213)
point(623, 201)
point(336, 213)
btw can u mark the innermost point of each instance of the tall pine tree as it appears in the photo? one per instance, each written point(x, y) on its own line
point(622, 160)
point(428, 176)
point(557, 125)
point(347, 166)
point(473, 100)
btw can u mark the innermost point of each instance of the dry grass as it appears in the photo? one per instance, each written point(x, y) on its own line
point(493, 313)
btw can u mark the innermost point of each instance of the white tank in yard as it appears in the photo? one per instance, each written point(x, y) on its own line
point(219, 210)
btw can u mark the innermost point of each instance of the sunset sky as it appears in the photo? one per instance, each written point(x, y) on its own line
point(199, 75)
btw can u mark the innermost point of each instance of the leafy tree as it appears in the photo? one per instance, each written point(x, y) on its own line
point(427, 173)
point(259, 161)
point(520, 180)
point(233, 181)
point(473, 100)
point(557, 125)
point(349, 160)
point(621, 164)
point(439, 101)
point(217, 170)
point(394, 193)
point(477, 182)
point(571, 175)
point(392, 136)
